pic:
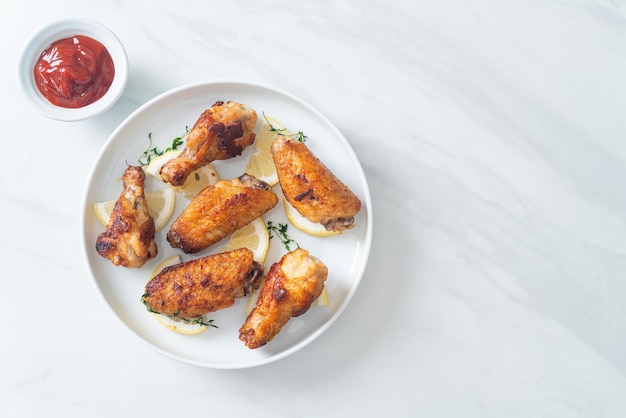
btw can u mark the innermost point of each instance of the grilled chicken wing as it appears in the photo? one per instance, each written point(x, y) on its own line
point(221, 132)
point(129, 237)
point(219, 210)
point(191, 289)
point(290, 288)
point(311, 188)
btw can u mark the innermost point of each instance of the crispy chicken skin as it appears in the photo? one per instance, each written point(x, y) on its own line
point(311, 188)
point(221, 132)
point(218, 211)
point(202, 285)
point(129, 237)
point(290, 288)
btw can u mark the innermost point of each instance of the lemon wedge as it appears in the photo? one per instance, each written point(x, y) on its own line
point(169, 261)
point(322, 300)
point(253, 236)
point(103, 211)
point(180, 326)
point(303, 224)
point(198, 180)
point(154, 167)
point(176, 325)
point(261, 164)
point(160, 207)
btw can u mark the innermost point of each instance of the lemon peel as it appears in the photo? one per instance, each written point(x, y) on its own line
point(160, 207)
point(303, 224)
point(253, 236)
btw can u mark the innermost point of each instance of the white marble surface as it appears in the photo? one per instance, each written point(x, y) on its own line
point(492, 134)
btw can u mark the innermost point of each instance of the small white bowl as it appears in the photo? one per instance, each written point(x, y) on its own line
point(64, 29)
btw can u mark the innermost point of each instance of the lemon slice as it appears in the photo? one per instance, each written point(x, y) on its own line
point(103, 211)
point(261, 164)
point(180, 326)
point(176, 325)
point(322, 300)
point(169, 261)
point(303, 224)
point(160, 207)
point(154, 167)
point(198, 180)
point(253, 236)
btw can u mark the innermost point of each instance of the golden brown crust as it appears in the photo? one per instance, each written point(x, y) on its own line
point(223, 131)
point(197, 287)
point(128, 240)
point(311, 188)
point(291, 286)
point(218, 211)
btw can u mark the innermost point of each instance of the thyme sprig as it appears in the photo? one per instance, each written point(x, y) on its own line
point(153, 152)
point(299, 136)
point(199, 320)
point(281, 233)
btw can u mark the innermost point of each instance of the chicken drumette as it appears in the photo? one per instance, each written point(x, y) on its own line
point(291, 286)
point(221, 132)
point(129, 237)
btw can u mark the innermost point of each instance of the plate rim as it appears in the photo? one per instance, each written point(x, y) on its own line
point(366, 242)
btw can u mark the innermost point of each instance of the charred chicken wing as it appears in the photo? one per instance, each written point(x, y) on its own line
point(221, 132)
point(129, 237)
point(290, 288)
point(219, 210)
point(311, 188)
point(191, 289)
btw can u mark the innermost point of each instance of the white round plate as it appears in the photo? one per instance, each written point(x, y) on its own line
point(166, 117)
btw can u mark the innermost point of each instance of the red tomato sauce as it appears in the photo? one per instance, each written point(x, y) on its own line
point(74, 72)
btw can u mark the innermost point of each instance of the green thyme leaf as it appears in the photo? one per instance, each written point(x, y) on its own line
point(299, 136)
point(281, 233)
point(153, 152)
point(200, 320)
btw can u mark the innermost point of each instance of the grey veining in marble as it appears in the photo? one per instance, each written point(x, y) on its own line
point(492, 137)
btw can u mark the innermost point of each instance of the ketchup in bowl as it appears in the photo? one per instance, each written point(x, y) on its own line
point(74, 72)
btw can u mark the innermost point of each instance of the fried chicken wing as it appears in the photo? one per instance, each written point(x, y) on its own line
point(193, 288)
point(221, 132)
point(129, 237)
point(311, 188)
point(291, 286)
point(218, 211)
